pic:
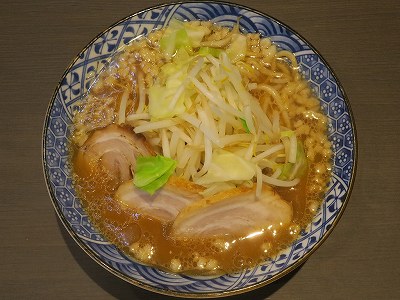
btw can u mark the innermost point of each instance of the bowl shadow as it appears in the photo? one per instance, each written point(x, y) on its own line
point(121, 289)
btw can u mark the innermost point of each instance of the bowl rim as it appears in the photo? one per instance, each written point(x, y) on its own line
point(93, 255)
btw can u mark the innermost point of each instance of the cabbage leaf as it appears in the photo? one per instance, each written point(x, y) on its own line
point(153, 172)
point(227, 166)
point(289, 171)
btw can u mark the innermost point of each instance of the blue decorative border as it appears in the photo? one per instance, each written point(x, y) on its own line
point(80, 75)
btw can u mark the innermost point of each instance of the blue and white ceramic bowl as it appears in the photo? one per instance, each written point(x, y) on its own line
point(75, 83)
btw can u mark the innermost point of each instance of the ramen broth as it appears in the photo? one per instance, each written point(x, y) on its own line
point(125, 227)
point(149, 240)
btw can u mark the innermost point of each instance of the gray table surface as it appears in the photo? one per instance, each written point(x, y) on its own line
point(359, 39)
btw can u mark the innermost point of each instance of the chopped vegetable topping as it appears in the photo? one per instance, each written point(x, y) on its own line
point(153, 172)
point(174, 38)
point(227, 166)
point(204, 51)
point(205, 116)
point(237, 49)
point(289, 171)
point(246, 128)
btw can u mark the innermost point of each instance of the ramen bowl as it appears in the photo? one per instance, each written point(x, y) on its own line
point(73, 87)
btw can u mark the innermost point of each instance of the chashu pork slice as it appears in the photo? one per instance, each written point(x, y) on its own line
point(113, 148)
point(234, 212)
point(163, 205)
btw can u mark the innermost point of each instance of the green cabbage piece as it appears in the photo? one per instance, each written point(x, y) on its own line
point(289, 171)
point(237, 49)
point(227, 166)
point(160, 99)
point(286, 170)
point(180, 35)
point(171, 78)
point(301, 160)
point(195, 33)
point(175, 37)
point(204, 51)
point(153, 172)
point(244, 124)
